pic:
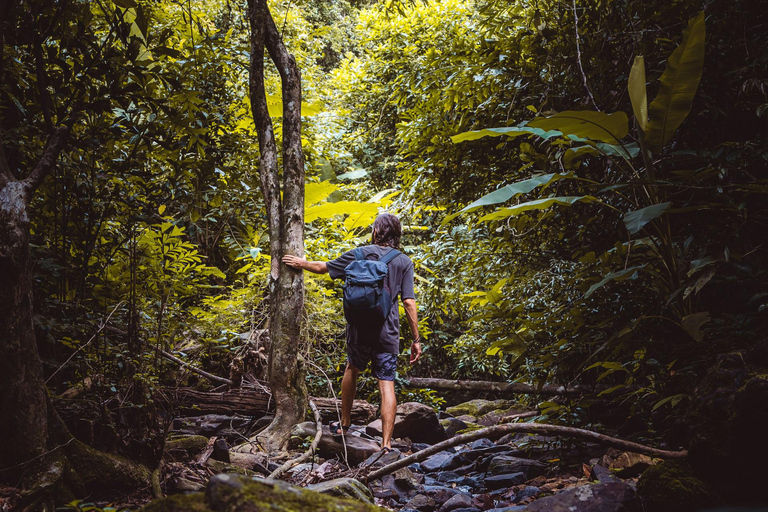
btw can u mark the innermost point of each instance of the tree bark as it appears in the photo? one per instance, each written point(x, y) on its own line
point(285, 218)
point(23, 407)
point(493, 387)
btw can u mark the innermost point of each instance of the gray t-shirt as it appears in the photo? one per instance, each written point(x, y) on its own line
point(400, 283)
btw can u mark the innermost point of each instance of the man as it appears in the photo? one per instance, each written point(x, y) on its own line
point(378, 347)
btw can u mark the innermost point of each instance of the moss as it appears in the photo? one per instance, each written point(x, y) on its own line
point(102, 472)
point(478, 407)
point(229, 493)
point(226, 467)
point(179, 503)
point(192, 445)
point(670, 487)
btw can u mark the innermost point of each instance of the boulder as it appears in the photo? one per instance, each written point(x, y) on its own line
point(235, 493)
point(416, 421)
point(629, 464)
point(479, 407)
point(185, 447)
point(670, 486)
point(607, 497)
point(452, 425)
point(438, 462)
point(457, 501)
point(504, 481)
point(357, 448)
point(422, 503)
point(344, 488)
point(505, 464)
point(380, 459)
point(498, 416)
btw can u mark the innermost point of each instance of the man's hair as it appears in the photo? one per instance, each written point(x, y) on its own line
point(387, 230)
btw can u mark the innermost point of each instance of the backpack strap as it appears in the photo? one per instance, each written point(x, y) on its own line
point(394, 253)
point(359, 254)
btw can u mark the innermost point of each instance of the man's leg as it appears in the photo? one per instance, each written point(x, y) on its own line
point(348, 390)
point(388, 411)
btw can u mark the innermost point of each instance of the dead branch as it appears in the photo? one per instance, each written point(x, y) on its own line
point(497, 387)
point(531, 428)
point(310, 451)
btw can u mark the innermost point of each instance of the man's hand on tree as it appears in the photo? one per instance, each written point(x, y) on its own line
point(415, 351)
point(294, 261)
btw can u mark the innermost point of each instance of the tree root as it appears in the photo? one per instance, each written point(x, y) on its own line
point(310, 451)
point(532, 428)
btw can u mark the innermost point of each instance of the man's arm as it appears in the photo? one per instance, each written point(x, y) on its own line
point(316, 267)
point(413, 321)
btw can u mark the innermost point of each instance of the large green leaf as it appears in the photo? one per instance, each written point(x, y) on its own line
point(678, 86)
point(275, 107)
point(359, 214)
point(637, 92)
point(621, 275)
point(637, 219)
point(510, 131)
point(539, 204)
point(507, 192)
point(316, 192)
point(588, 124)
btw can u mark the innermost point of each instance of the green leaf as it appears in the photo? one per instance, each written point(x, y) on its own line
point(507, 192)
point(672, 400)
point(678, 86)
point(634, 221)
point(637, 92)
point(588, 124)
point(125, 4)
point(510, 131)
point(316, 192)
point(621, 275)
point(275, 107)
point(360, 214)
point(353, 175)
point(539, 204)
point(692, 324)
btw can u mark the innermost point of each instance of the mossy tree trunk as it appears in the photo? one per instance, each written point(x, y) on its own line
point(285, 217)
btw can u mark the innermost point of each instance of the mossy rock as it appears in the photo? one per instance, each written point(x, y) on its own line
point(671, 487)
point(236, 493)
point(191, 445)
point(226, 467)
point(479, 407)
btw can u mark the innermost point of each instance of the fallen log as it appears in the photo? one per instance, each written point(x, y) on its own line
point(495, 387)
point(531, 428)
point(254, 402)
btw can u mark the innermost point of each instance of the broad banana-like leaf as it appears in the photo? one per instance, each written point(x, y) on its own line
point(621, 275)
point(509, 131)
point(539, 204)
point(316, 192)
point(275, 107)
point(507, 192)
point(692, 324)
point(588, 124)
point(678, 86)
point(636, 220)
point(355, 209)
point(637, 92)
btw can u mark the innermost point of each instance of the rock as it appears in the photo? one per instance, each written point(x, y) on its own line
point(209, 425)
point(504, 464)
point(185, 447)
point(380, 459)
point(629, 464)
point(254, 461)
point(502, 481)
point(479, 407)
point(417, 447)
point(421, 503)
point(416, 421)
point(602, 474)
point(344, 488)
point(452, 425)
point(507, 509)
point(446, 477)
point(529, 491)
point(668, 487)
point(607, 497)
point(483, 442)
point(467, 418)
point(438, 462)
point(499, 415)
point(220, 450)
point(457, 501)
point(235, 493)
point(358, 449)
point(441, 494)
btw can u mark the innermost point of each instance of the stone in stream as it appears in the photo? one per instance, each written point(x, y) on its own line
point(452, 426)
point(438, 462)
point(504, 481)
point(478, 407)
point(607, 497)
point(416, 421)
point(344, 488)
point(457, 501)
point(357, 448)
point(529, 491)
point(504, 464)
point(381, 458)
point(422, 503)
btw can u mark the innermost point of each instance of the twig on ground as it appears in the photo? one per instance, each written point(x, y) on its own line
point(310, 451)
point(531, 428)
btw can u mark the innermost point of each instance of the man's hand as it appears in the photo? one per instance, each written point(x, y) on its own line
point(294, 261)
point(415, 351)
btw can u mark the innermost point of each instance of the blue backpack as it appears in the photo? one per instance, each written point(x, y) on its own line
point(367, 300)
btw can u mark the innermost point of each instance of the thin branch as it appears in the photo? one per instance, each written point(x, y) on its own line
point(578, 56)
point(531, 428)
point(53, 147)
point(310, 451)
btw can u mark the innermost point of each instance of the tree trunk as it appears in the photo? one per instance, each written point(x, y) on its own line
point(493, 387)
point(285, 218)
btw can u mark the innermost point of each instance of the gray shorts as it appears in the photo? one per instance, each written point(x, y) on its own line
point(383, 364)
